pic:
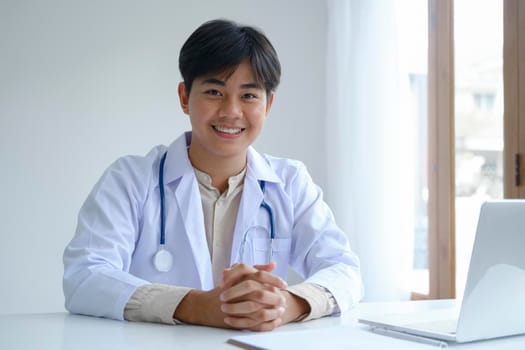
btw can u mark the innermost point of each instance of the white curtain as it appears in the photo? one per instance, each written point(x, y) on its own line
point(370, 137)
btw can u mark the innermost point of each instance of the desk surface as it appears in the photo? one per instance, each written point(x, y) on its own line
point(65, 331)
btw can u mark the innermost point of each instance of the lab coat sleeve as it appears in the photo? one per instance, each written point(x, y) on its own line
point(96, 262)
point(321, 252)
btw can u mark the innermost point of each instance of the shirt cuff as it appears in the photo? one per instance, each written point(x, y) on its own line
point(322, 302)
point(155, 303)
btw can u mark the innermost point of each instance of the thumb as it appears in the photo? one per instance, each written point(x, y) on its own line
point(267, 267)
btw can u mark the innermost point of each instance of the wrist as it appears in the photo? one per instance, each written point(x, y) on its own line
point(296, 308)
point(187, 311)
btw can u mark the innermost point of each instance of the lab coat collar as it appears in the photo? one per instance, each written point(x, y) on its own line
point(177, 161)
point(259, 168)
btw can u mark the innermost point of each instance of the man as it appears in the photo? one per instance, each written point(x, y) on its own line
point(232, 221)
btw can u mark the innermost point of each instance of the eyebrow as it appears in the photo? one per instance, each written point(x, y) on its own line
point(215, 81)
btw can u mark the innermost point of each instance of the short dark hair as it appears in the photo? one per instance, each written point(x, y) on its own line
point(221, 45)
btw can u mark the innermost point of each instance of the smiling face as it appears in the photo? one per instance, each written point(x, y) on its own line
point(227, 113)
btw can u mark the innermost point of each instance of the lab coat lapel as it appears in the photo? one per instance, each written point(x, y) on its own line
point(251, 200)
point(189, 204)
point(190, 208)
point(258, 168)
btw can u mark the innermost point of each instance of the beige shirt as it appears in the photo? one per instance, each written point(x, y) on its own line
point(157, 303)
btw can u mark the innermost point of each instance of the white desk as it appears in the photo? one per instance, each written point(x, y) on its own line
point(65, 331)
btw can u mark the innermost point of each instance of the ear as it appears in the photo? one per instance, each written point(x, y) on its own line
point(183, 98)
point(269, 102)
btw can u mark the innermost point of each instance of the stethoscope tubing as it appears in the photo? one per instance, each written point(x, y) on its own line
point(163, 257)
point(268, 209)
point(162, 201)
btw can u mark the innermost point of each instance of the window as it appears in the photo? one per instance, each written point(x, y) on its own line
point(412, 26)
point(478, 119)
point(476, 132)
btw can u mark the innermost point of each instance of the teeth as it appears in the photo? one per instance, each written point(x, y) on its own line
point(228, 130)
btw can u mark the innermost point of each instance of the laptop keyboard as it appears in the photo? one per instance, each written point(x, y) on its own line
point(441, 326)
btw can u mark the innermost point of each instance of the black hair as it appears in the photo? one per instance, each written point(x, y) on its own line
point(221, 45)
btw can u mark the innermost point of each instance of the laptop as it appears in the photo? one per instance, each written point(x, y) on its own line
point(493, 304)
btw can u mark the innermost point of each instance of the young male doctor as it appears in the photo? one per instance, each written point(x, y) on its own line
point(204, 231)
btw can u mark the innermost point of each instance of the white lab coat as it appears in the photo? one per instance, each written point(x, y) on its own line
point(118, 231)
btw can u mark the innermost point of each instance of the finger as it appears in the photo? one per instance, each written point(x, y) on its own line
point(235, 274)
point(267, 326)
point(229, 268)
point(241, 308)
point(256, 320)
point(262, 277)
point(253, 302)
point(238, 270)
point(267, 278)
point(254, 291)
point(267, 267)
point(239, 290)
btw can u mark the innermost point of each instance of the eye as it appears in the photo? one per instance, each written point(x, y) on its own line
point(213, 92)
point(249, 96)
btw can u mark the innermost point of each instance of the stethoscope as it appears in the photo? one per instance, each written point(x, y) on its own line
point(163, 259)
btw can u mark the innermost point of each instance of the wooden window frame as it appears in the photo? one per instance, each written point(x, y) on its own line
point(441, 176)
point(514, 97)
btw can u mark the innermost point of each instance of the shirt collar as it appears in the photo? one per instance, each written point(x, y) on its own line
point(178, 163)
point(233, 181)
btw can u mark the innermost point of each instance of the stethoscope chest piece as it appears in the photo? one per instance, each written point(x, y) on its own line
point(163, 260)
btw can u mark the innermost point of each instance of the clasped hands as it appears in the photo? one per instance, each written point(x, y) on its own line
point(250, 297)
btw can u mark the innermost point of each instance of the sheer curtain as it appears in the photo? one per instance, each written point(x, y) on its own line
point(370, 141)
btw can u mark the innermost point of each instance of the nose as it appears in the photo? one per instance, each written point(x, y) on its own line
point(230, 108)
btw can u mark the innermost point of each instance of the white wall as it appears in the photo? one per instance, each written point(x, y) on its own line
point(84, 82)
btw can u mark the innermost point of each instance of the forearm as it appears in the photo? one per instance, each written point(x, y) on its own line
point(201, 308)
point(296, 307)
point(321, 302)
point(154, 303)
